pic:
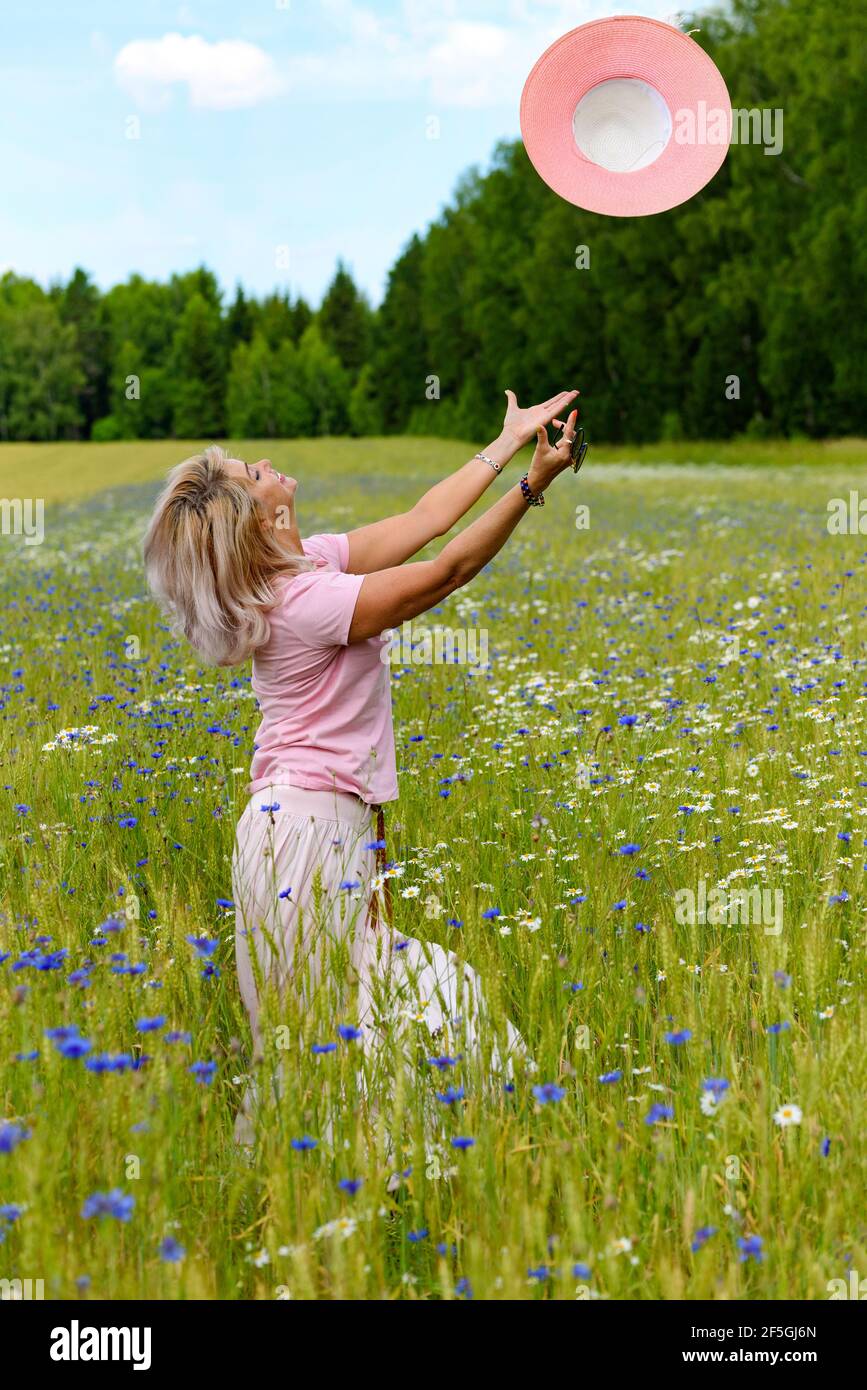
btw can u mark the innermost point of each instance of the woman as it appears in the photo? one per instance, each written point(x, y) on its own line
point(224, 553)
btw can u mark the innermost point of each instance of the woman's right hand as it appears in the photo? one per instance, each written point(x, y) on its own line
point(549, 461)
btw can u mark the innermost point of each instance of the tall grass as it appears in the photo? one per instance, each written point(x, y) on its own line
point(616, 714)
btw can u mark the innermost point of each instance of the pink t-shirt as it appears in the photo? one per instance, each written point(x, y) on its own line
point(326, 706)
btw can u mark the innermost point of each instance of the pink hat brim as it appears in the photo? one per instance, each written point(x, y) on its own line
point(624, 46)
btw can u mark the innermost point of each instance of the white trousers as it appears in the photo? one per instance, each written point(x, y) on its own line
point(304, 877)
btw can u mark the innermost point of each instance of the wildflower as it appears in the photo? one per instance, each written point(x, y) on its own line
point(491, 912)
point(350, 1185)
point(303, 1144)
point(320, 1049)
point(825, 1147)
point(750, 1248)
point(11, 1135)
point(701, 1237)
point(348, 1033)
point(452, 1095)
point(203, 946)
point(414, 1237)
point(115, 1203)
point(677, 1039)
point(609, 1077)
point(549, 1092)
point(657, 1113)
point(171, 1251)
point(204, 1072)
point(151, 1025)
point(629, 849)
point(788, 1115)
point(463, 1143)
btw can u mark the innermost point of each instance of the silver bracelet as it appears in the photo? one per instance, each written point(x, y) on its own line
point(497, 467)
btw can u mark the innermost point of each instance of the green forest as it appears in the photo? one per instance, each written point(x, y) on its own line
point(740, 313)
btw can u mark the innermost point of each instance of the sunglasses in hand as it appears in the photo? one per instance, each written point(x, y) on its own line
point(578, 446)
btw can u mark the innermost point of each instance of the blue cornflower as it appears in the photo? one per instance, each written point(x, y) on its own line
point(825, 1147)
point(609, 1077)
point(677, 1039)
point(842, 897)
point(376, 844)
point(701, 1237)
point(304, 1144)
point(115, 1203)
point(175, 1037)
point(582, 1271)
point(452, 1095)
point(463, 1288)
point(540, 1273)
point(629, 849)
point(350, 1185)
point(171, 1251)
point(203, 946)
point(657, 1113)
point(778, 1027)
point(11, 1135)
point(320, 1049)
point(492, 912)
point(415, 1236)
point(349, 884)
point(204, 1072)
point(642, 874)
point(549, 1092)
point(348, 1033)
point(717, 1085)
point(463, 1143)
point(225, 902)
point(151, 1025)
point(73, 1048)
point(441, 1063)
point(627, 720)
point(642, 928)
point(618, 906)
point(750, 1248)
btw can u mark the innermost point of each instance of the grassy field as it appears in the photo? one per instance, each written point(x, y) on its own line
point(675, 704)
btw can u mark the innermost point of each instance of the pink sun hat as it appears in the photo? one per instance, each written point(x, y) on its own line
point(626, 116)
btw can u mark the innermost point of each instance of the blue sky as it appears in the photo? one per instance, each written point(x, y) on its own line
point(274, 136)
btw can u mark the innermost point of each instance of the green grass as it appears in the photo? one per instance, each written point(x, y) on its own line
point(630, 617)
point(66, 472)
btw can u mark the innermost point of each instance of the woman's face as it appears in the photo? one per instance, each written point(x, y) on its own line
point(274, 492)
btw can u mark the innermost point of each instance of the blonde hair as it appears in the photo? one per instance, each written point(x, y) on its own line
point(211, 562)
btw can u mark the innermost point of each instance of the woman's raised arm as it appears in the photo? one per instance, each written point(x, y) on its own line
point(387, 543)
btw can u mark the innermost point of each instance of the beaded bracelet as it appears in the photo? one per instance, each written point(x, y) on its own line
point(535, 499)
point(497, 467)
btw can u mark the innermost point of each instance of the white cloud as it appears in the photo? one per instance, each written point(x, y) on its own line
point(475, 53)
point(219, 76)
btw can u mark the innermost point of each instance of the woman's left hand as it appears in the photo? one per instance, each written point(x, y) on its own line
point(521, 425)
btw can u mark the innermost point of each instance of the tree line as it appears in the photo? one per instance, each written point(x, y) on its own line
point(740, 312)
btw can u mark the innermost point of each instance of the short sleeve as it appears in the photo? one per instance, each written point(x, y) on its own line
point(333, 549)
point(319, 606)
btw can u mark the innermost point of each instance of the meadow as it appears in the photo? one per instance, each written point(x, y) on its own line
point(675, 707)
